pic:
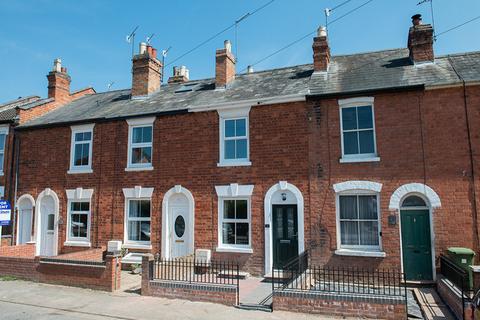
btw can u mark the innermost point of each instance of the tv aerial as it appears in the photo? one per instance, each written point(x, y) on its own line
point(131, 39)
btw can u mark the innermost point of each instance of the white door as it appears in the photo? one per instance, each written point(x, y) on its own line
point(47, 211)
point(24, 225)
point(178, 231)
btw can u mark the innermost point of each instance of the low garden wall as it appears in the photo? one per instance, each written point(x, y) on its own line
point(453, 298)
point(193, 291)
point(19, 261)
point(340, 305)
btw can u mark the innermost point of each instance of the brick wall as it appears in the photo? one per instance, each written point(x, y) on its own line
point(342, 306)
point(223, 294)
point(297, 142)
point(20, 262)
point(453, 299)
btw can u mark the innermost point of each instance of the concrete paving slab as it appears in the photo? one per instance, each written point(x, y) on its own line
point(432, 305)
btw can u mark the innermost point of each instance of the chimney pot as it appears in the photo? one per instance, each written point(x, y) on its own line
point(228, 45)
point(57, 65)
point(180, 75)
point(249, 69)
point(322, 31)
point(417, 19)
point(143, 48)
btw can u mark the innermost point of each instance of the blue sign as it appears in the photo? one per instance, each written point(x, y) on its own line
point(5, 213)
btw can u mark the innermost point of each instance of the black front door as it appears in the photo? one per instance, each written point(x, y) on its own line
point(285, 234)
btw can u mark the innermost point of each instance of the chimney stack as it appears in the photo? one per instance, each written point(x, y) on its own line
point(420, 41)
point(224, 65)
point(59, 82)
point(180, 75)
point(146, 71)
point(321, 51)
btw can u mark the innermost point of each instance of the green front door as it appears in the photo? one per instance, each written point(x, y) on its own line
point(285, 234)
point(416, 244)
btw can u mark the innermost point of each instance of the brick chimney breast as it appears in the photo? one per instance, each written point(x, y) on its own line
point(146, 71)
point(420, 41)
point(59, 82)
point(321, 51)
point(180, 75)
point(224, 65)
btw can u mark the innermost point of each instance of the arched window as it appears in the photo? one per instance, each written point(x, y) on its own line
point(413, 201)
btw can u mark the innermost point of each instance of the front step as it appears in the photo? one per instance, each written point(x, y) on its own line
point(254, 307)
point(233, 275)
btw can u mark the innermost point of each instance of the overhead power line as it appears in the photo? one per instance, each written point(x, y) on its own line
point(308, 34)
point(233, 25)
point(458, 26)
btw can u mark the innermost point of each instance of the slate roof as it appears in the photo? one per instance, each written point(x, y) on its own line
point(8, 109)
point(346, 74)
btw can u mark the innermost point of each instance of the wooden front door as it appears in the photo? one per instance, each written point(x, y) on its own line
point(285, 234)
point(416, 244)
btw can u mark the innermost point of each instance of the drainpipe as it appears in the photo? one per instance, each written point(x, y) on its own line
point(16, 157)
point(472, 160)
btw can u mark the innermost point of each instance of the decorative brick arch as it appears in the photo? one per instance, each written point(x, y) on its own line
point(414, 188)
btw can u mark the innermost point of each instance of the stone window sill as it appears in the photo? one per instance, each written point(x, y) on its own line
point(234, 164)
point(234, 250)
point(139, 168)
point(360, 253)
point(359, 159)
point(79, 171)
point(137, 246)
point(77, 244)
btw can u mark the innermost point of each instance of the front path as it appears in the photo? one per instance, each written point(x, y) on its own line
point(29, 300)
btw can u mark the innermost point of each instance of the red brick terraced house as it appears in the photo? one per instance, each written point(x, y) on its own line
point(19, 111)
point(370, 159)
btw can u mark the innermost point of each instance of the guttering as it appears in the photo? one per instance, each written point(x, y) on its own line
point(367, 91)
point(99, 120)
point(249, 102)
point(453, 85)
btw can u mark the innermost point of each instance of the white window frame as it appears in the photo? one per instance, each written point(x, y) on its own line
point(3, 130)
point(366, 157)
point(78, 195)
point(234, 192)
point(139, 123)
point(137, 193)
point(86, 168)
point(358, 188)
point(233, 114)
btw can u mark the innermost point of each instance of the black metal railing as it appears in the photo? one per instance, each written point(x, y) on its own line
point(350, 280)
point(458, 277)
point(292, 269)
point(300, 274)
point(190, 271)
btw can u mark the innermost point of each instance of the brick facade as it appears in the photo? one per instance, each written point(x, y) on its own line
point(296, 142)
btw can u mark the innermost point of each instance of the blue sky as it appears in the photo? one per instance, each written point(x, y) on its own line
point(89, 35)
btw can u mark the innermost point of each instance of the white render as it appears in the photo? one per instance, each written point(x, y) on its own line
point(412, 188)
point(357, 185)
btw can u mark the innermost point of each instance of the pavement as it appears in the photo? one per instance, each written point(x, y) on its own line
point(432, 305)
point(22, 300)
